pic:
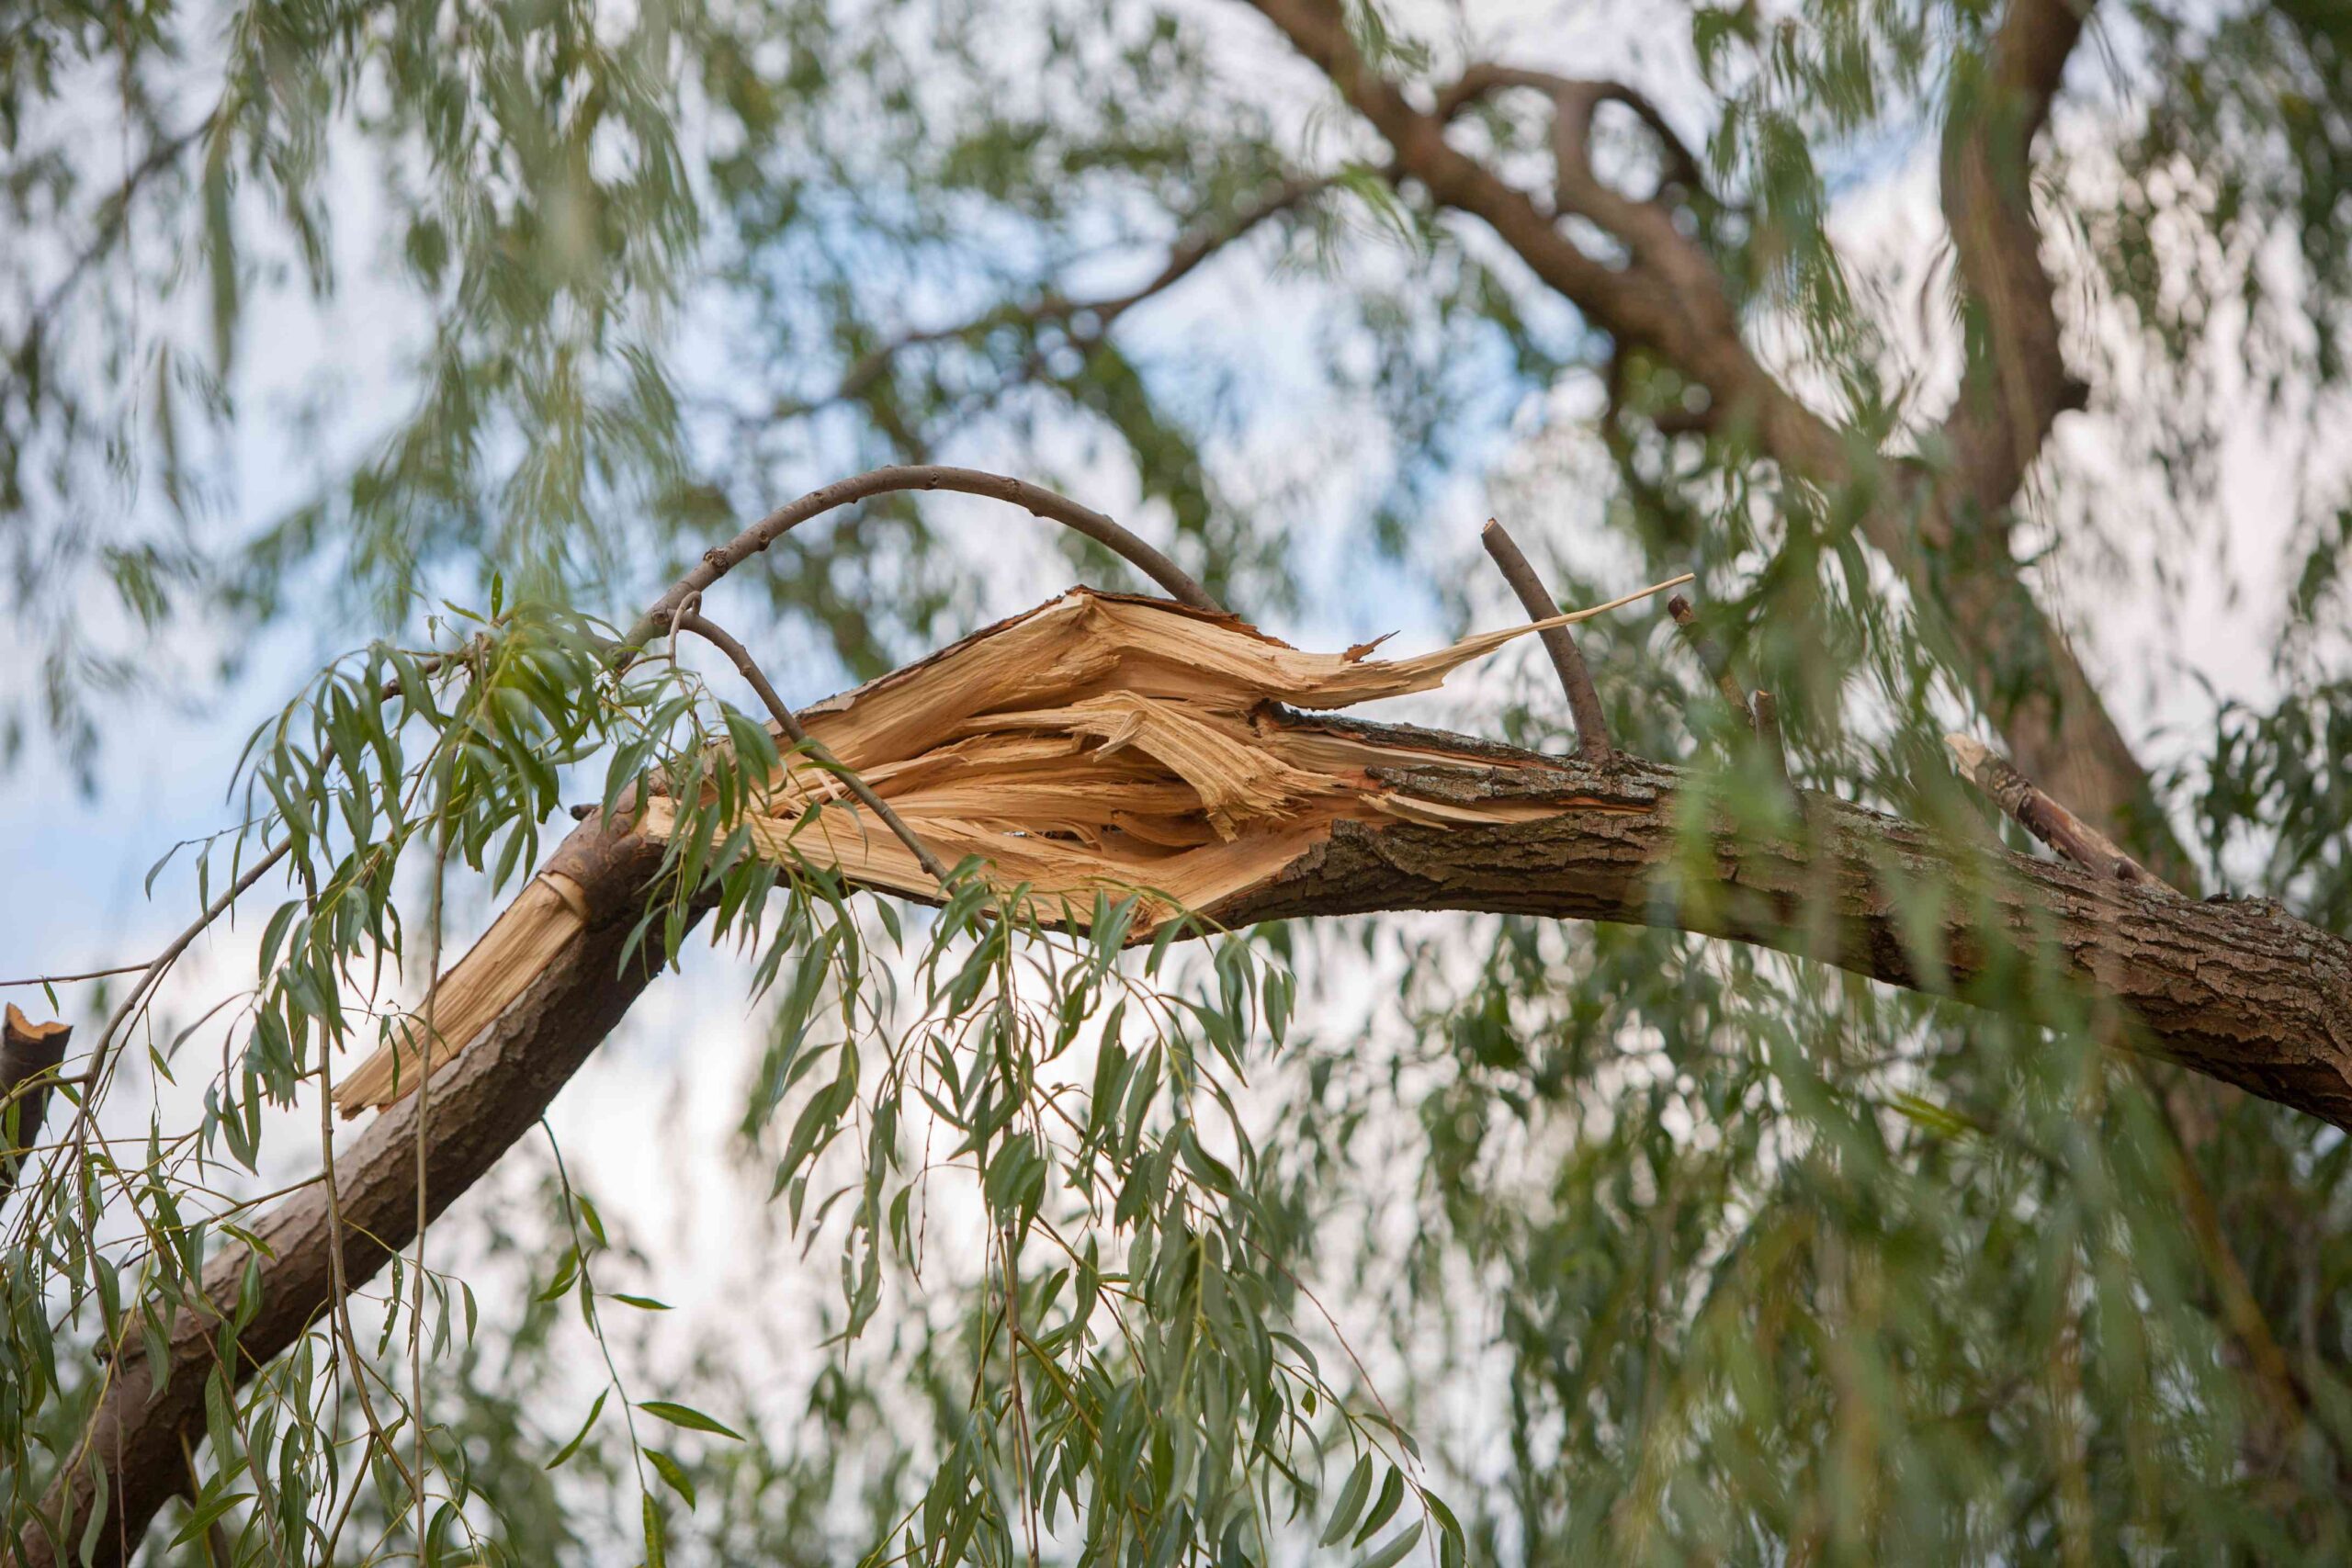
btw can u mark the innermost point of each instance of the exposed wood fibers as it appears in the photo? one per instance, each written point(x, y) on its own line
point(1099, 744)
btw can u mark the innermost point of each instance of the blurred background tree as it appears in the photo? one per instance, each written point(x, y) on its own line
point(1976, 355)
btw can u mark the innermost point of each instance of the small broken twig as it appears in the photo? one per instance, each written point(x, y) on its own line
point(1766, 714)
point(689, 618)
point(30, 1054)
point(1576, 679)
point(1712, 658)
point(2038, 814)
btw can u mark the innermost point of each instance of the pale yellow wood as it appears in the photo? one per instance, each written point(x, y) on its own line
point(1099, 744)
point(1105, 744)
point(524, 939)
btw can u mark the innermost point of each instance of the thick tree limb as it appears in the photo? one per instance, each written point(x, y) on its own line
point(1669, 299)
point(2009, 398)
point(2240, 991)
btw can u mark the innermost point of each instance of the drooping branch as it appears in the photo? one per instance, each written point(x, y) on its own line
point(483, 1102)
point(550, 910)
point(113, 217)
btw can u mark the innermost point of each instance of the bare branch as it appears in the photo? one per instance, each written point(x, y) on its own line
point(1711, 659)
point(2044, 817)
point(1034, 499)
point(1584, 701)
point(1576, 100)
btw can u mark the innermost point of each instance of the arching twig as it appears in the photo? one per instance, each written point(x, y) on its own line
point(1034, 499)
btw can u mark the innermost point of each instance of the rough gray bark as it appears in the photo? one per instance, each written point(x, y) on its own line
point(2240, 991)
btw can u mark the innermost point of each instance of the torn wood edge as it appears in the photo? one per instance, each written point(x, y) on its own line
point(30, 1055)
point(1101, 642)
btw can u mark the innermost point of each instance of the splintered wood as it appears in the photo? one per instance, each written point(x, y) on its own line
point(1100, 744)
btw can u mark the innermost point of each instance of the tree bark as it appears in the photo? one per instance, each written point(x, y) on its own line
point(2240, 991)
point(479, 1105)
point(1945, 534)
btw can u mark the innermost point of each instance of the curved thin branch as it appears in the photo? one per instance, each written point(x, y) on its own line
point(748, 668)
point(1034, 499)
point(1567, 658)
point(1577, 100)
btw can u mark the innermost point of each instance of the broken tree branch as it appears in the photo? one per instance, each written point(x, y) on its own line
point(1365, 818)
point(1711, 659)
point(548, 912)
point(1567, 658)
point(2042, 817)
point(30, 1054)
